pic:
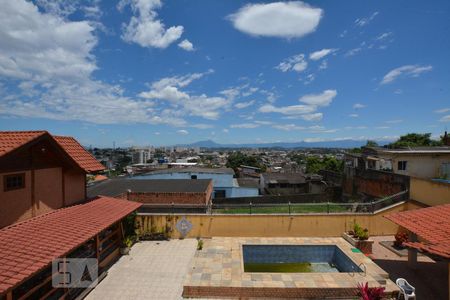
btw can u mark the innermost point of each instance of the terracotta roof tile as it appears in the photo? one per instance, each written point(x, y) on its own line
point(31, 245)
point(431, 224)
point(11, 140)
point(83, 158)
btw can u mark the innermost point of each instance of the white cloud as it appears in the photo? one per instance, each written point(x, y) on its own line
point(358, 105)
point(294, 63)
point(323, 65)
point(384, 36)
point(49, 59)
point(442, 110)
point(186, 45)
point(353, 115)
point(288, 127)
point(316, 55)
point(322, 99)
point(225, 130)
point(278, 19)
point(183, 132)
point(202, 126)
point(312, 117)
point(241, 105)
point(365, 21)
point(405, 71)
point(144, 27)
point(445, 118)
point(287, 110)
point(168, 89)
point(353, 51)
point(245, 125)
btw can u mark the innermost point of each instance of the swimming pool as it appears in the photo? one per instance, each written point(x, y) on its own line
point(297, 259)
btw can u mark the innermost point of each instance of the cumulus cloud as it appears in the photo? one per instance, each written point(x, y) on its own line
point(316, 55)
point(169, 89)
point(294, 63)
point(144, 28)
point(405, 71)
point(278, 19)
point(48, 63)
point(358, 105)
point(186, 45)
point(322, 99)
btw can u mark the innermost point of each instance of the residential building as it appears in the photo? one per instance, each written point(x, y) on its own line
point(420, 162)
point(41, 173)
point(224, 183)
point(283, 183)
point(156, 191)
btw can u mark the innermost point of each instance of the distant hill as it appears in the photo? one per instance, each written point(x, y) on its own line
point(302, 144)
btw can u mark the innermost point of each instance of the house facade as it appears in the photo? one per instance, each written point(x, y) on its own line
point(40, 173)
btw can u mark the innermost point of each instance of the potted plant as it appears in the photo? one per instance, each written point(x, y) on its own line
point(367, 293)
point(363, 235)
point(126, 245)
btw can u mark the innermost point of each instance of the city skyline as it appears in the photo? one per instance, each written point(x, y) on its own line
point(149, 72)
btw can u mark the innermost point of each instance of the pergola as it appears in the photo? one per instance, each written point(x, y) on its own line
point(429, 232)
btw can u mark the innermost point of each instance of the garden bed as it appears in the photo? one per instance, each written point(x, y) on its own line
point(364, 245)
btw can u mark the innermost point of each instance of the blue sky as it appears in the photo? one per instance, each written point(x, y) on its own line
point(149, 72)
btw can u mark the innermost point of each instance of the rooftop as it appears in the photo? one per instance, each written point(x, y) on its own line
point(23, 252)
point(115, 187)
point(13, 140)
point(432, 224)
point(292, 178)
point(194, 170)
point(413, 150)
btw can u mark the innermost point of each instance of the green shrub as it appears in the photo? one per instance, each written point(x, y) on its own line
point(199, 244)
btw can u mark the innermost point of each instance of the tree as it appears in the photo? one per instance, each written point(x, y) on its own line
point(415, 140)
point(371, 143)
point(314, 164)
point(235, 159)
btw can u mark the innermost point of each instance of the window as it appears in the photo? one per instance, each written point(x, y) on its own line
point(193, 176)
point(402, 165)
point(14, 182)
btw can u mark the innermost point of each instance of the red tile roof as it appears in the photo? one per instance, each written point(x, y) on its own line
point(83, 158)
point(431, 224)
point(28, 247)
point(12, 140)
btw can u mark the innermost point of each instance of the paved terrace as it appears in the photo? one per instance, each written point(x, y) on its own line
point(153, 270)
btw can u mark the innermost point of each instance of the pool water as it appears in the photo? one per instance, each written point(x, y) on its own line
point(296, 259)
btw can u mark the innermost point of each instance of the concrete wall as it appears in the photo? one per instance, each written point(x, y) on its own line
point(422, 166)
point(429, 192)
point(375, 183)
point(308, 225)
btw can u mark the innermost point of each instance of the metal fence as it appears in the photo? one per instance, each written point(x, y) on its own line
point(276, 208)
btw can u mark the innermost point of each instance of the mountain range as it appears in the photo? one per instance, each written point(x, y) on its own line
point(349, 143)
